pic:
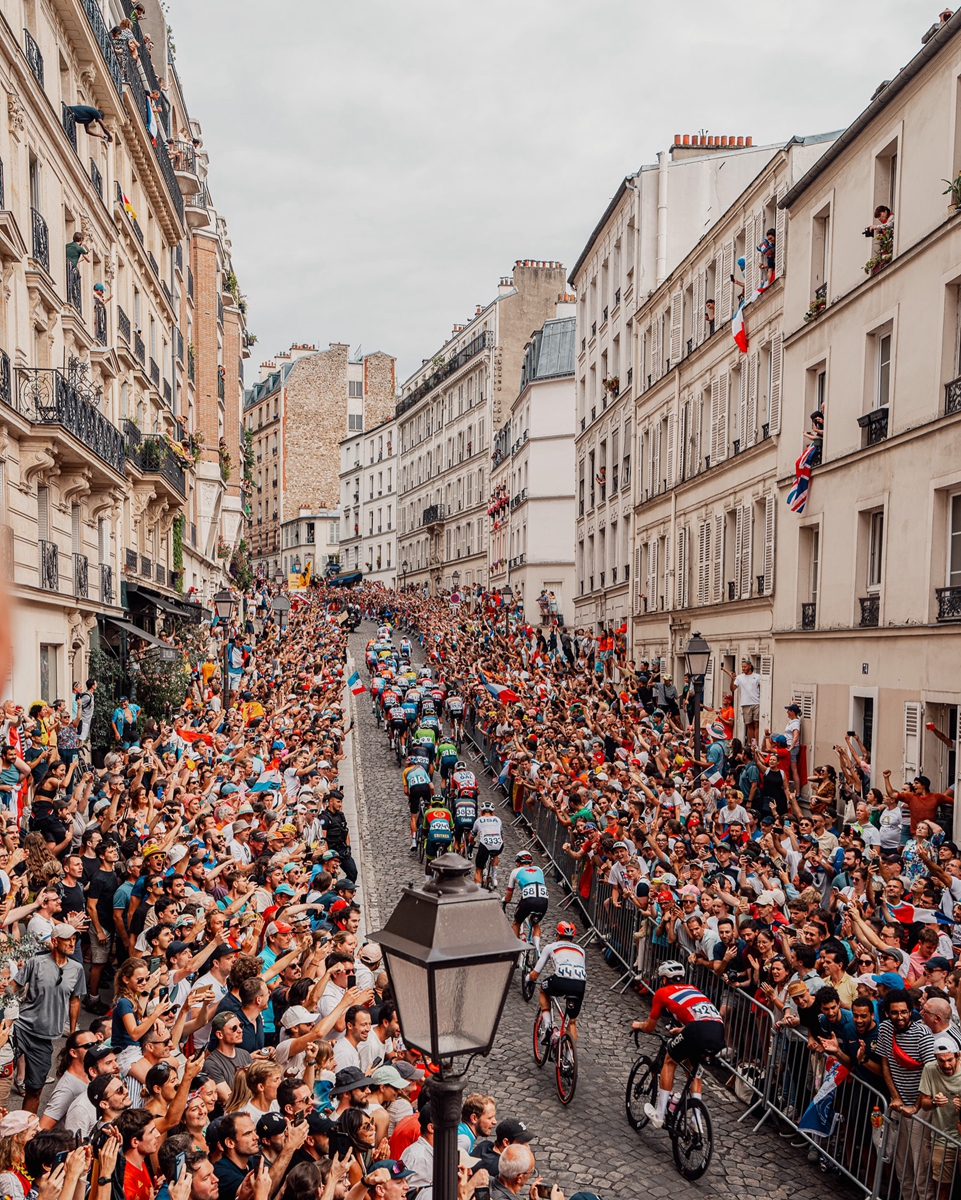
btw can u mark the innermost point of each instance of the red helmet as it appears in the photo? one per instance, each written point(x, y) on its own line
point(566, 930)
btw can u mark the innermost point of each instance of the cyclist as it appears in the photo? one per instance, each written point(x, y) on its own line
point(488, 834)
point(533, 889)
point(463, 780)
point(464, 808)
point(397, 724)
point(438, 825)
point(430, 721)
point(446, 758)
point(405, 647)
point(425, 740)
point(410, 704)
point(570, 973)
point(455, 711)
point(419, 791)
point(700, 1032)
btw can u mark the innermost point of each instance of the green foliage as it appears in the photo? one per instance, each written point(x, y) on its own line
point(240, 569)
point(161, 686)
point(106, 670)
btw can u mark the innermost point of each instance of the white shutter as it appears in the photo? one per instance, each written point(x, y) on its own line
point(770, 503)
point(687, 566)
point(677, 315)
point(651, 478)
point(679, 569)
point(697, 416)
point(43, 513)
point(738, 547)
point(657, 362)
point(637, 606)
point(656, 476)
point(652, 575)
point(717, 585)
point(765, 681)
point(804, 695)
point(742, 403)
point(752, 373)
point(780, 230)
point(703, 562)
point(750, 258)
point(669, 463)
point(774, 403)
point(697, 316)
point(747, 548)
point(724, 388)
point(683, 437)
point(723, 309)
point(715, 418)
point(911, 764)
point(708, 697)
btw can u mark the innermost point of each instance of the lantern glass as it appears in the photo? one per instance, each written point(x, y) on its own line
point(468, 1005)
point(224, 604)
point(697, 655)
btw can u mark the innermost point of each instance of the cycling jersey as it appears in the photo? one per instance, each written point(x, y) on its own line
point(465, 812)
point(389, 697)
point(397, 714)
point(422, 734)
point(413, 696)
point(489, 831)
point(455, 706)
point(438, 824)
point(417, 777)
point(464, 781)
point(377, 684)
point(685, 1004)
point(446, 750)
point(427, 707)
point(568, 958)
point(530, 881)
point(410, 710)
point(416, 759)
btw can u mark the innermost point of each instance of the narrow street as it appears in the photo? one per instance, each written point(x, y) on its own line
point(589, 1143)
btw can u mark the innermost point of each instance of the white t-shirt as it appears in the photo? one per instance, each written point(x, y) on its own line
point(346, 1054)
point(373, 1052)
point(202, 1036)
point(748, 688)
point(789, 728)
point(889, 826)
point(40, 927)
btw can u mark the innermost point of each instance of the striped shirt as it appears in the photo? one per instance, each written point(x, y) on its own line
point(917, 1043)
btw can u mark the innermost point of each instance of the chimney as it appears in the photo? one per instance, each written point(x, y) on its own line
point(506, 285)
point(565, 304)
point(266, 368)
point(696, 145)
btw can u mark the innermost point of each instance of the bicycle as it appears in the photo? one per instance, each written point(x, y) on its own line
point(688, 1120)
point(552, 1040)
point(527, 959)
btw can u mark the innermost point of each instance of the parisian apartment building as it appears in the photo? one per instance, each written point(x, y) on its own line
point(120, 367)
point(446, 417)
point(368, 483)
point(302, 407)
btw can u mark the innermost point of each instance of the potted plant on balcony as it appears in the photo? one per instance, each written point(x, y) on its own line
point(612, 384)
point(954, 191)
point(884, 251)
point(816, 307)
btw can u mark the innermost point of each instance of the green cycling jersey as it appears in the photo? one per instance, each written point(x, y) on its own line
point(447, 749)
point(428, 734)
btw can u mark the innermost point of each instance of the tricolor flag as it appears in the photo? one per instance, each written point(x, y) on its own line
point(819, 1118)
point(355, 684)
point(798, 495)
point(907, 914)
point(152, 128)
point(713, 775)
point(500, 691)
point(739, 329)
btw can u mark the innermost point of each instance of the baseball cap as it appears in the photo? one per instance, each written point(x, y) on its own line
point(18, 1122)
point(946, 1043)
point(319, 1125)
point(796, 988)
point(395, 1169)
point(512, 1130)
point(387, 1076)
point(345, 885)
point(893, 951)
point(174, 949)
point(63, 930)
point(937, 962)
point(347, 1079)
point(297, 1015)
point(868, 980)
point(766, 898)
point(95, 1053)
point(329, 854)
point(222, 951)
point(276, 927)
point(794, 708)
point(889, 979)
point(271, 1124)
point(407, 1070)
point(284, 889)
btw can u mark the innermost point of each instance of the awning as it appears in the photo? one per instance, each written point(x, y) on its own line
point(181, 609)
point(169, 653)
point(345, 580)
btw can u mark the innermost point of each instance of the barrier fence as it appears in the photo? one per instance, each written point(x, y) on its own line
point(884, 1154)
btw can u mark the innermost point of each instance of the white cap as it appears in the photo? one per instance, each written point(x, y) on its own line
point(297, 1015)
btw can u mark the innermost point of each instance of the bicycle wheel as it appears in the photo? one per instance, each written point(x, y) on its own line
point(528, 963)
point(421, 847)
point(542, 1038)
point(641, 1090)
point(692, 1138)
point(566, 1068)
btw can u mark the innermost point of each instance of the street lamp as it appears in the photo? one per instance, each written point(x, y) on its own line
point(224, 604)
point(507, 599)
point(450, 954)
point(697, 654)
point(455, 579)
point(403, 574)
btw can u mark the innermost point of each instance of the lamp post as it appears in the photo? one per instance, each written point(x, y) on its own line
point(455, 580)
point(403, 574)
point(224, 604)
point(450, 954)
point(697, 654)
point(507, 599)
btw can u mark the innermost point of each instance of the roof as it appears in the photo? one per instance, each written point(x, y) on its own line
point(608, 213)
point(553, 350)
point(881, 100)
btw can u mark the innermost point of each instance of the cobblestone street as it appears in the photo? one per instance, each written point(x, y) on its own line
point(588, 1144)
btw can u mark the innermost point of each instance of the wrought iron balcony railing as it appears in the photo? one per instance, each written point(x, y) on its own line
point(74, 286)
point(809, 615)
point(106, 583)
point(69, 122)
point(80, 576)
point(34, 57)
point(949, 603)
point(123, 325)
point(41, 240)
point(875, 426)
point(104, 41)
point(55, 397)
point(49, 566)
point(870, 611)
point(100, 322)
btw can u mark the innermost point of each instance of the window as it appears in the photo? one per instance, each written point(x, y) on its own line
point(875, 550)
point(882, 392)
point(49, 684)
point(355, 421)
point(954, 543)
point(355, 388)
point(820, 252)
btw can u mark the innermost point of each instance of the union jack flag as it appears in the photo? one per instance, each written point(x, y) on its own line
point(798, 495)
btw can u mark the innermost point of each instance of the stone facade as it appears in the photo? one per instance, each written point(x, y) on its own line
point(368, 482)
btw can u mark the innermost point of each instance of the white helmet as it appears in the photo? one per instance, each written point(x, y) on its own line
point(672, 969)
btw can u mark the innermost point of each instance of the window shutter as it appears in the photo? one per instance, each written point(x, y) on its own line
point(747, 548)
point(697, 316)
point(679, 570)
point(651, 478)
point(656, 474)
point(43, 513)
point(723, 308)
point(774, 403)
point(703, 561)
point(708, 697)
point(652, 575)
point(697, 411)
point(911, 765)
point(804, 695)
point(683, 438)
point(770, 503)
point(687, 566)
point(677, 312)
point(669, 461)
point(752, 372)
point(656, 360)
point(75, 542)
point(750, 257)
point(742, 403)
point(717, 585)
point(738, 547)
point(715, 418)
point(780, 231)
point(637, 606)
point(765, 681)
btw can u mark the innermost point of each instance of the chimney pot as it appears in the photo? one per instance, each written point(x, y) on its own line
point(677, 139)
point(749, 141)
point(687, 140)
point(723, 141)
point(740, 141)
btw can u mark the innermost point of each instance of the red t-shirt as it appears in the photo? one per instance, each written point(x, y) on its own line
point(137, 1184)
point(406, 1132)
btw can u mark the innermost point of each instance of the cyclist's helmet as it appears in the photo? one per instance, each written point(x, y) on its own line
point(524, 858)
point(672, 969)
point(566, 930)
point(460, 765)
point(487, 807)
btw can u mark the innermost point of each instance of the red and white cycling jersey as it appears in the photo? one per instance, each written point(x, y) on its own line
point(684, 1003)
point(568, 958)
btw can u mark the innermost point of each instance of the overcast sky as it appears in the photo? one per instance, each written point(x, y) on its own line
point(380, 164)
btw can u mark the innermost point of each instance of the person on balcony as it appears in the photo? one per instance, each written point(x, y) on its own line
point(76, 249)
point(86, 115)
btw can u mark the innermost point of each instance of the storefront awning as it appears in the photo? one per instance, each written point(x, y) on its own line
point(168, 652)
point(177, 608)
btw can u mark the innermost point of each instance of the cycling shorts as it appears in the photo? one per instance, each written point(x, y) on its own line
point(419, 794)
point(696, 1040)
point(434, 848)
point(397, 725)
point(535, 907)
point(572, 988)
point(483, 854)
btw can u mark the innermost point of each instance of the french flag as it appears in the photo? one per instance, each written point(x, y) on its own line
point(907, 914)
point(355, 684)
point(739, 329)
point(798, 495)
point(500, 691)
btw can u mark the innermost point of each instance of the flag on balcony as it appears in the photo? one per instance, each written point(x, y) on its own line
point(739, 329)
point(500, 691)
point(355, 685)
point(798, 495)
point(152, 127)
point(128, 207)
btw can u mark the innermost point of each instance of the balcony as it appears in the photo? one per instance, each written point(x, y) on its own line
point(519, 499)
point(434, 514)
point(96, 178)
point(483, 341)
point(69, 122)
point(870, 611)
point(155, 374)
point(153, 456)
point(123, 324)
point(105, 42)
point(49, 566)
point(809, 615)
point(100, 322)
point(80, 576)
point(34, 57)
point(949, 603)
point(146, 567)
point(106, 584)
point(875, 426)
point(160, 573)
point(952, 397)
point(41, 240)
point(140, 349)
point(168, 392)
point(130, 561)
point(54, 397)
point(153, 262)
point(197, 211)
point(74, 287)
point(142, 102)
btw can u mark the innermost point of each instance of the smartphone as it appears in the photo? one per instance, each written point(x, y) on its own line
point(339, 1143)
point(351, 980)
point(482, 1193)
point(180, 1165)
point(300, 1118)
point(163, 993)
point(253, 1163)
point(60, 1157)
point(544, 1191)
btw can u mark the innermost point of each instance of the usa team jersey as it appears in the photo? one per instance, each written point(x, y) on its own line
point(531, 882)
point(489, 831)
point(684, 1003)
point(568, 958)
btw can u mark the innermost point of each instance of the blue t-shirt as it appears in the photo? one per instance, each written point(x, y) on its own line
point(268, 958)
point(120, 1039)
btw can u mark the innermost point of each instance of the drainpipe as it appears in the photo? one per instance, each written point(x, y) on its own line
point(662, 165)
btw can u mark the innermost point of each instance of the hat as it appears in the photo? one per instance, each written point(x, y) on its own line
point(946, 1043)
point(297, 1015)
point(395, 1169)
point(318, 1125)
point(894, 952)
point(222, 951)
point(95, 1053)
point(276, 927)
point(868, 980)
point(766, 898)
point(18, 1122)
point(63, 930)
point(329, 854)
point(271, 1124)
point(221, 1018)
point(371, 954)
point(891, 980)
point(347, 1079)
point(407, 1070)
point(239, 827)
point(151, 849)
point(228, 789)
point(258, 835)
point(388, 1076)
point(284, 889)
point(175, 948)
point(796, 988)
point(779, 739)
point(345, 885)
point(937, 962)
point(512, 1130)
point(794, 708)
